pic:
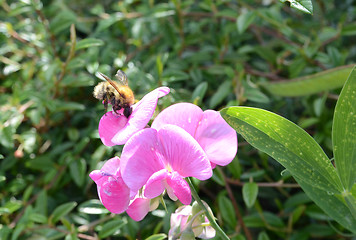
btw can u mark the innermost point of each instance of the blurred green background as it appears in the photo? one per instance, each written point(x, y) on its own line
point(211, 53)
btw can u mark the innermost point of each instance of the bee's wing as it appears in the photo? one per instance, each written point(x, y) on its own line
point(121, 77)
point(114, 84)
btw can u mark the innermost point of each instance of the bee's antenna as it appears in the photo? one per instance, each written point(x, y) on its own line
point(111, 82)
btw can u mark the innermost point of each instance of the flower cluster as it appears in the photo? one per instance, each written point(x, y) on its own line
point(183, 141)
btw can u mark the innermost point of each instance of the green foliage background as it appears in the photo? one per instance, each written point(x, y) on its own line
point(212, 53)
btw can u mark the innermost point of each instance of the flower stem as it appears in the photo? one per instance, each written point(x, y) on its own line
point(207, 212)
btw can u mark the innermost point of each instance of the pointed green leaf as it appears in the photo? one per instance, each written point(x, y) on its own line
point(323, 81)
point(263, 236)
point(249, 193)
point(227, 210)
point(111, 227)
point(159, 236)
point(244, 20)
point(332, 204)
point(302, 5)
point(89, 42)
point(220, 94)
point(77, 169)
point(287, 143)
point(344, 133)
point(62, 210)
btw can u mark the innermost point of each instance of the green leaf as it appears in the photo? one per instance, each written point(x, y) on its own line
point(11, 206)
point(218, 177)
point(89, 42)
point(244, 20)
point(62, 210)
point(227, 210)
point(344, 133)
point(249, 193)
point(296, 200)
point(263, 236)
point(159, 236)
point(297, 213)
point(41, 203)
point(235, 168)
point(68, 106)
point(331, 204)
point(255, 220)
point(38, 218)
point(93, 206)
point(287, 143)
point(42, 163)
point(302, 5)
point(255, 95)
point(222, 92)
point(111, 227)
point(107, 22)
point(77, 80)
point(17, 231)
point(199, 93)
point(172, 75)
point(323, 81)
point(62, 21)
point(77, 169)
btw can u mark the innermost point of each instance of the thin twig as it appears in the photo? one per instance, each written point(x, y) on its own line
point(254, 72)
point(87, 227)
point(279, 184)
point(236, 207)
point(51, 35)
point(69, 57)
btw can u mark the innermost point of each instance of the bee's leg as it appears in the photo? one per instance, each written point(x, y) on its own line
point(127, 112)
point(105, 104)
point(116, 108)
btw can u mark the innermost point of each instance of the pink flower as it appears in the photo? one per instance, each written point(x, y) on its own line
point(112, 191)
point(209, 129)
point(116, 129)
point(161, 160)
point(116, 196)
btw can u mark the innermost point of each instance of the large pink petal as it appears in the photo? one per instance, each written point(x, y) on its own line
point(155, 184)
point(140, 158)
point(110, 168)
point(217, 138)
point(117, 129)
point(138, 209)
point(183, 153)
point(180, 188)
point(110, 125)
point(114, 194)
point(112, 191)
point(184, 115)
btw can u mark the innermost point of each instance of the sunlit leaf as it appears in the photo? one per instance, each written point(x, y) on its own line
point(62, 210)
point(319, 82)
point(249, 193)
point(160, 236)
point(111, 227)
point(344, 132)
point(287, 143)
point(244, 20)
point(89, 42)
point(302, 5)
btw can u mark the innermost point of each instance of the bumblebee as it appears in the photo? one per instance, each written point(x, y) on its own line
point(116, 93)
